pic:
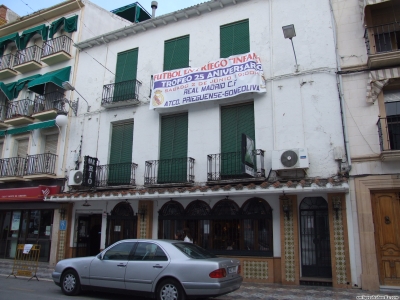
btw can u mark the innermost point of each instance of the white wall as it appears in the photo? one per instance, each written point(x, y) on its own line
point(298, 110)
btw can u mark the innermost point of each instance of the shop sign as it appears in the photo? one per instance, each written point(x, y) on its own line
point(89, 171)
point(37, 193)
point(223, 78)
point(248, 155)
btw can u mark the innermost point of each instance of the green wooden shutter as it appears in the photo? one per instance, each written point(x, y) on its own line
point(176, 53)
point(121, 154)
point(173, 149)
point(125, 75)
point(234, 38)
point(235, 120)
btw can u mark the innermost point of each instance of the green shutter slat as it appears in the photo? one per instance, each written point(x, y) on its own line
point(173, 145)
point(119, 172)
point(234, 38)
point(121, 143)
point(235, 120)
point(127, 65)
point(176, 53)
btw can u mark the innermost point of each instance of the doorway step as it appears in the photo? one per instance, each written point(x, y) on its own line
point(316, 281)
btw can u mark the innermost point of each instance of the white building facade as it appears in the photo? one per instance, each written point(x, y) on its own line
point(164, 169)
point(368, 51)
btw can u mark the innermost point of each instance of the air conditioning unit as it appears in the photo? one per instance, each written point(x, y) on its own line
point(75, 177)
point(290, 159)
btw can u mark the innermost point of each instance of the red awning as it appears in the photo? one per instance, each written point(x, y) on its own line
point(29, 194)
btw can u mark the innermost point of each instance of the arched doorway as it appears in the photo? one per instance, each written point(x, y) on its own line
point(314, 238)
point(121, 224)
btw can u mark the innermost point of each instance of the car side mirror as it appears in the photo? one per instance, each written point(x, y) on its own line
point(100, 256)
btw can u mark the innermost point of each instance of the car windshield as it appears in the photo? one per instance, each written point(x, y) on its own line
point(194, 251)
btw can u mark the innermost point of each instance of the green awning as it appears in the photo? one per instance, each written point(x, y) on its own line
point(42, 125)
point(2, 132)
point(29, 33)
point(20, 84)
point(30, 127)
point(14, 37)
point(132, 12)
point(70, 25)
point(5, 89)
point(17, 130)
point(56, 77)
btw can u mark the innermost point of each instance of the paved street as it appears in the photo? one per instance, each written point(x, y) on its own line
point(44, 289)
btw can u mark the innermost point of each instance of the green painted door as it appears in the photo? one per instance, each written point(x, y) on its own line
point(234, 38)
point(125, 75)
point(173, 149)
point(235, 120)
point(121, 155)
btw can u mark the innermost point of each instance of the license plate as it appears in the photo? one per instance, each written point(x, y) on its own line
point(232, 270)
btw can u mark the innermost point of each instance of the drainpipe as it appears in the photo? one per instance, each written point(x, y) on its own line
point(341, 96)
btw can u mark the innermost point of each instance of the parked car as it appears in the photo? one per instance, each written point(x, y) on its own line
point(164, 269)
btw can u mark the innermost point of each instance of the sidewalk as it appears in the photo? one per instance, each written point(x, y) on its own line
point(251, 290)
point(43, 272)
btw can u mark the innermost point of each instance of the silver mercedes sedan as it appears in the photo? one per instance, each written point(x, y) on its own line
point(161, 269)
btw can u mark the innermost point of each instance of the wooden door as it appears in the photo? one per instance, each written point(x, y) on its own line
point(386, 210)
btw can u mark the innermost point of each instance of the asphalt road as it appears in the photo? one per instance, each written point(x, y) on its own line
point(21, 289)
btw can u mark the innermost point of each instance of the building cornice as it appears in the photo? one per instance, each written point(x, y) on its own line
point(160, 21)
point(329, 185)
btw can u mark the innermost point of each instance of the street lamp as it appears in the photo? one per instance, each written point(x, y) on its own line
point(290, 33)
point(67, 86)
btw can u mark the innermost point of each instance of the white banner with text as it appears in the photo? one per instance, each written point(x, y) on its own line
point(223, 78)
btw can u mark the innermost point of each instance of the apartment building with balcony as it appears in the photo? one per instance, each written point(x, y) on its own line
point(368, 37)
point(37, 59)
point(176, 137)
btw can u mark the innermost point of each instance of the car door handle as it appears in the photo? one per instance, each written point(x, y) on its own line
point(157, 266)
point(121, 265)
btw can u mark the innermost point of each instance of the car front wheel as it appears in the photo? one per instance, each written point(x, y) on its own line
point(170, 289)
point(70, 284)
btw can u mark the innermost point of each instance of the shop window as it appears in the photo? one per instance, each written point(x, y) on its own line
point(226, 229)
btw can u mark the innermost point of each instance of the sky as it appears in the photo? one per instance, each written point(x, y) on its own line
point(26, 7)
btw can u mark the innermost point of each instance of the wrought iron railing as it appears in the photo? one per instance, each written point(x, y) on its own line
point(58, 44)
point(41, 164)
point(226, 166)
point(116, 174)
point(174, 170)
point(7, 61)
point(29, 54)
point(382, 38)
point(20, 108)
point(50, 101)
point(12, 167)
point(121, 91)
point(389, 133)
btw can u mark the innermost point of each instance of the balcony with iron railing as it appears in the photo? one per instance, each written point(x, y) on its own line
point(40, 166)
point(383, 45)
point(12, 168)
point(28, 59)
point(174, 171)
point(7, 66)
point(121, 174)
point(19, 112)
point(48, 106)
point(56, 50)
point(121, 93)
point(389, 137)
point(230, 167)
